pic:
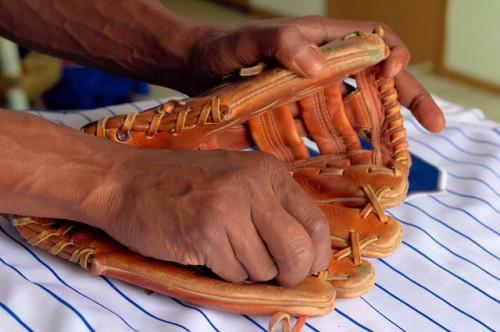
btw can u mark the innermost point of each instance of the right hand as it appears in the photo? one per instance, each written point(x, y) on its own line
point(222, 50)
point(239, 213)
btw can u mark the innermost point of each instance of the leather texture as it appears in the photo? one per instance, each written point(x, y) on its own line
point(351, 184)
point(273, 111)
point(93, 250)
point(185, 124)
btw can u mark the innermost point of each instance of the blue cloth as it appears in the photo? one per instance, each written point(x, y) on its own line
point(84, 88)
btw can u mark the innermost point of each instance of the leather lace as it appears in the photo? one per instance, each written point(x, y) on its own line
point(210, 113)
point(81, 255)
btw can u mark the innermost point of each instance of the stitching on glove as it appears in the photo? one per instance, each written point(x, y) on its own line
point(354, 250)
point(323, 117)
point(394, 119)
point(179, 121)
point(375, 205)
point(81, 256)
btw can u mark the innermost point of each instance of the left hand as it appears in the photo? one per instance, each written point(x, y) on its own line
point(294, 43)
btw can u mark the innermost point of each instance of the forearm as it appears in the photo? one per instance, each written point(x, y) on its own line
point(49, 170)
point(137, 38)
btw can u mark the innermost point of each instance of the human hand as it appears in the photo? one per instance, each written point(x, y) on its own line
point(294, 43)
point(239, 213)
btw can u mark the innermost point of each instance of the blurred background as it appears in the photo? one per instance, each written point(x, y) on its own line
point(454, 44)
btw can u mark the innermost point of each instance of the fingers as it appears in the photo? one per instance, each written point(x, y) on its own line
point(287, 241)
point(321, 30)
point(413, 95)
point(252, 253)
point(305, 211)
point(223, 262)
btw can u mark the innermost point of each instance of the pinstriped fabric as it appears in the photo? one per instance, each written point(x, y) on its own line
point(445, 277)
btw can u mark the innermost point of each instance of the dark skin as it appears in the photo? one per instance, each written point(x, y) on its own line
point(239, 213)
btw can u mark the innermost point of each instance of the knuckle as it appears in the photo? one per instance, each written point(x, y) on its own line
point(216, 206)
point(269, 163)
point(210, 228)
point(313, 215)
point(243, 180)
point(317, 222)
point(284, 35)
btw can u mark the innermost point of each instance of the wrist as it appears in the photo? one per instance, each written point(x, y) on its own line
point(106, 186)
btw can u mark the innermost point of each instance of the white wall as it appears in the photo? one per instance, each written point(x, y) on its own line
point(292, 7)
point(473, 38)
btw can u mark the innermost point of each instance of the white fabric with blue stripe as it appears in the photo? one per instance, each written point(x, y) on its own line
point(445, 276)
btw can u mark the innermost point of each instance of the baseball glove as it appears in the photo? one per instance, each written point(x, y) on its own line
point(96, 252)
point(348, 182)
point(352, 185)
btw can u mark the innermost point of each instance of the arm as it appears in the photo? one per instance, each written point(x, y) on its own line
point(143, 40)
point(139, 39)
point(43, 163)
point(225, 210)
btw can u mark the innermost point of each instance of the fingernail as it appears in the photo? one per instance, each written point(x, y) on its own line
point(310, 60)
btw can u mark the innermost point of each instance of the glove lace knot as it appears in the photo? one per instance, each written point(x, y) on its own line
point(353, 249)
point(375, 204)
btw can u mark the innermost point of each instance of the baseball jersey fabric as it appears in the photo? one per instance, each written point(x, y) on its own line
point(444, 277)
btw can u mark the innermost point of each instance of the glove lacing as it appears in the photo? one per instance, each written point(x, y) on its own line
point(213, 111)
point(81, 255)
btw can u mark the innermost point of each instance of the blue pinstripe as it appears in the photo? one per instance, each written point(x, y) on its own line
point(254, 322)
point(491, 297)
point(39, 114)
point(110, 111)
point(16, 317)
point(358, 324)
point(473, 197)
point(475, 154)
point(83, 116)
point(39, 260)
point(452, 229)
point(311, 327)
point(472, 139)
point(117, 290)
point(461, 162)
point(411, 307)
point(55, 296)
point(196, 309)
point(381, 314)
point(136, 107)
point(443, 246)
point(471, 178)
point(434, 294)
point(467, 178)
point(463, 211)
